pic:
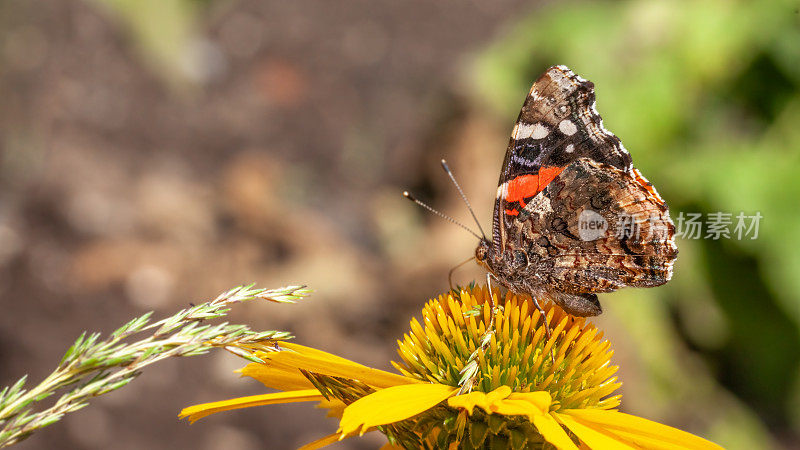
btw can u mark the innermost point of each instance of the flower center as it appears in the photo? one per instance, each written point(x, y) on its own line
point(573, 365)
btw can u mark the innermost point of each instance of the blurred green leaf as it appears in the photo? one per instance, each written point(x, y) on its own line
point(161, 30)
point(706, 95)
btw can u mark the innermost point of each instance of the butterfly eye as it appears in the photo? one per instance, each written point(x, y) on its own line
point(480, 252)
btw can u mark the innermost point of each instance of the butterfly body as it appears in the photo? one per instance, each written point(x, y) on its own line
point(572, 216)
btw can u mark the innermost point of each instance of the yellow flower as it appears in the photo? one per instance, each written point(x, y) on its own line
point(529, 391)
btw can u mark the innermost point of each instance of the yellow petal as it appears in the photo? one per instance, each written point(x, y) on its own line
point(482, 399)
point(553, 433)
point(197, 412)
point(498, 394)
point(335, 407)
point(276, 377)
point(636, 426)
point(467, 401)
point(321, 442)
point(326, 441)
point(503, 401)
point(540, 400)
point(316, 353)
point(510, 407)
point(392, 405)
point(339, 367)
point(644, 442)
point(594, 438)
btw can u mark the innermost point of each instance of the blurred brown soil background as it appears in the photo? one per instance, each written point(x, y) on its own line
point(275, 153)
point(155, 153)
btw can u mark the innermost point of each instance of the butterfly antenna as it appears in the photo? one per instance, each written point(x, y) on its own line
point(442, 215)
point(464, 197)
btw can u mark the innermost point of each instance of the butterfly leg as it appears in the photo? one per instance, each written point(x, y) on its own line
point(495, 308)
point(471, 370)
point(491, 296)
point(544, 316)
point(547, 331)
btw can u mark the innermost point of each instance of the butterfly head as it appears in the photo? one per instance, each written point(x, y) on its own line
point(484, 252)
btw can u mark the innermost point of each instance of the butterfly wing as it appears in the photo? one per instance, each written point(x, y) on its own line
point(557, 125)
point(593, 229)
point(572, 217)
point(604, 230)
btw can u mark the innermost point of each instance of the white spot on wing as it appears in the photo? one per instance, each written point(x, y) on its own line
point(567, 127)
point(522, 130)
point(570, 148)
point(502, 190)
point(527, 130)
point(539, 131)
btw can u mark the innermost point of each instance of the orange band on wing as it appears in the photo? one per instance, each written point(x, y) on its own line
point(646, 184)
point(548, 174)
point(525, 186)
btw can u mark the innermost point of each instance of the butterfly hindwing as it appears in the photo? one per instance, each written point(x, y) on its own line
point(605, 231)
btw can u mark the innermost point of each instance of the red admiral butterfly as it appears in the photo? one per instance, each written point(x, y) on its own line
point(572, 216)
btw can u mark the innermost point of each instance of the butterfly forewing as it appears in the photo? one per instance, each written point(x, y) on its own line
point(563, 169)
